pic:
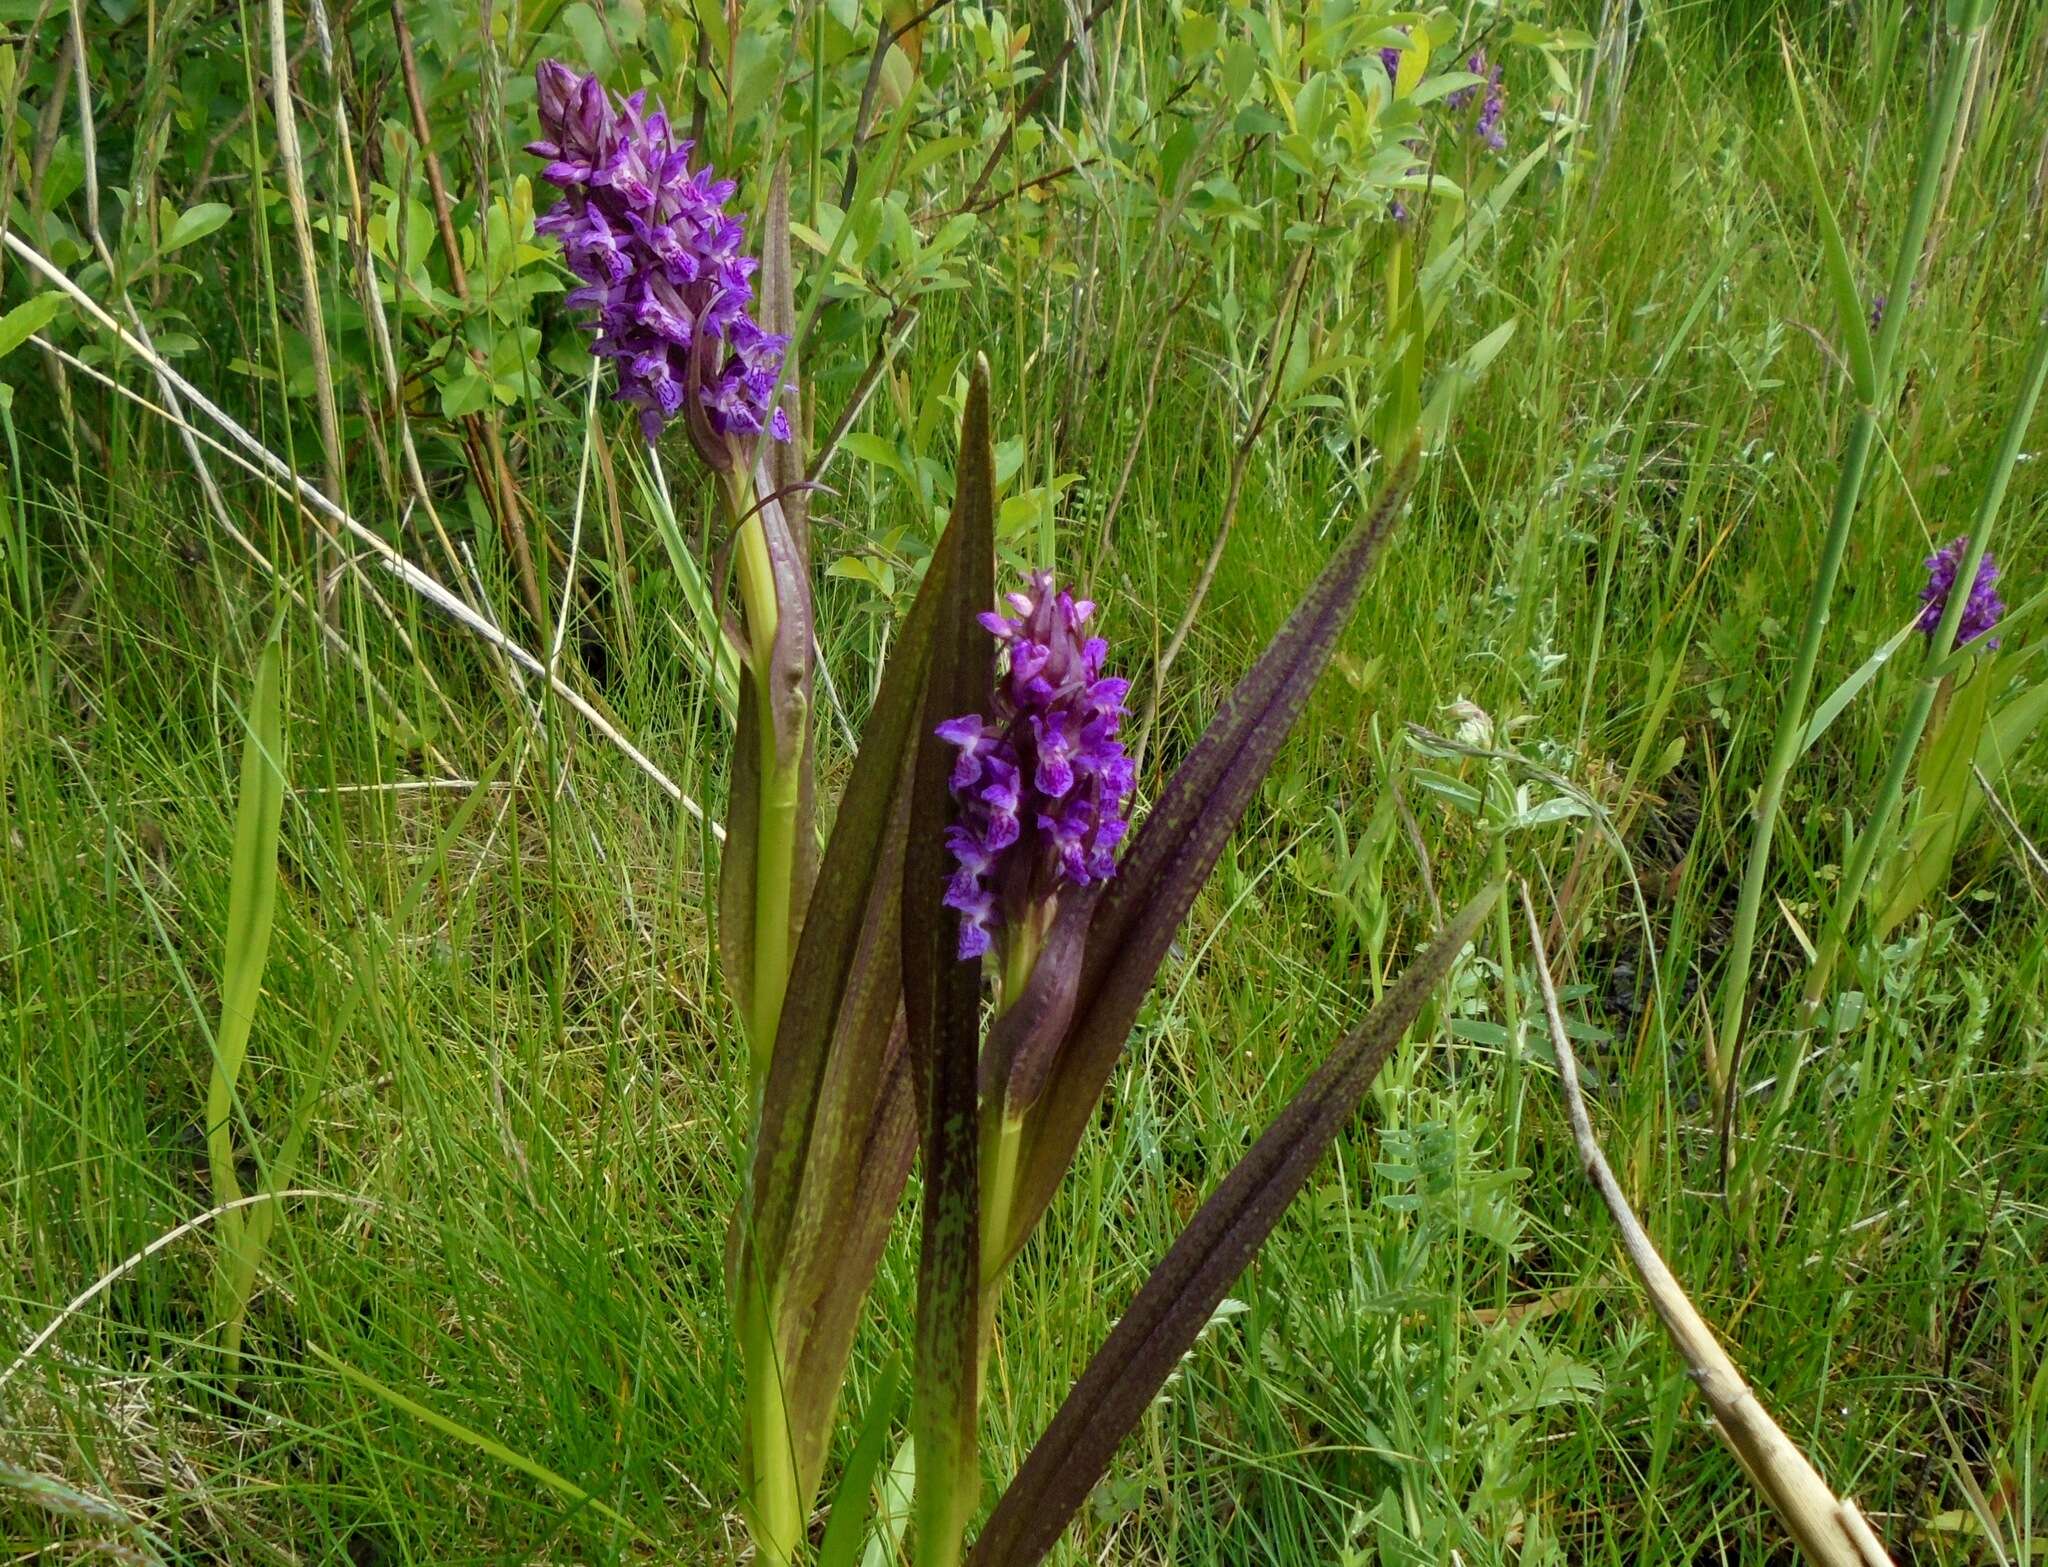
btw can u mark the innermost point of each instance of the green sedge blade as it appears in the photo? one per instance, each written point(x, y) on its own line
point(1852, 315)
point(1177, 1301)
point(252, 902)
point(942, 1007)
point(846, 1529)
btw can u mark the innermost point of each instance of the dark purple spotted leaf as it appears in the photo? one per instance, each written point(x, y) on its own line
point(1060, 1071)
point(942, 1006)
point(1174, 1304)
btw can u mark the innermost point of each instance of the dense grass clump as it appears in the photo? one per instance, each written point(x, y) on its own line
point(489, 1052)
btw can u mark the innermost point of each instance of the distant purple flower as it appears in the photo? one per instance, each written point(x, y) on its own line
point(1877, 312)
point(1486, 124)
point(1042, 782)
point(1983, 608)
point(661, 261)
point(1390, 57)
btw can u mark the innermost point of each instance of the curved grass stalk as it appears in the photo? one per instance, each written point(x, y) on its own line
point(1873, 394)
point(1906, 742)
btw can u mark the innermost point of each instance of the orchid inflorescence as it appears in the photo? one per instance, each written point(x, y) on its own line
point(660, 259)
point(1982, 609)
point(986, 813)
point(1043, 781)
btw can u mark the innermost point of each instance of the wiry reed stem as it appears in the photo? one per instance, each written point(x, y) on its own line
point(1849, 486)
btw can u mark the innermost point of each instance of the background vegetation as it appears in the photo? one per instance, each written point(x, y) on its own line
point(489, 1040)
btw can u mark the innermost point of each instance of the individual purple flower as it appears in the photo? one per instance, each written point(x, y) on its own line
point(1877, 312)
point(1981, 611)
point(661, 262)
point(1390, 57)
point(1042, 781)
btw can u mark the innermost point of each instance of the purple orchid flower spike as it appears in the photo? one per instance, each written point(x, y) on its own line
point(662, 264)
point(1042, 781)
point(1981, 611)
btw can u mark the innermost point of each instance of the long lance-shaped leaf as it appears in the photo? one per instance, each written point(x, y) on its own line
point(789, 662)
point(837, 1130)
point(770, 863)
point(787, 461)
point(829, 1284)
point(784, 464)
point(848, 976)
point(942, 1006)
point(1061, 1073)
point(782, 506)
point(1171, 1308)
point(252, 900)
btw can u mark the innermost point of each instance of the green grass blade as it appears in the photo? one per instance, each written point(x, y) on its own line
point(1852, 314)
point(1838, 700)
point(252, 903)
point(488, 1445)
point(846, 1530)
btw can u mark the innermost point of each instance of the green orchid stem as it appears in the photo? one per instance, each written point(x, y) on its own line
point(776, 1515)
point(1849, 486)
point(1002, 1144)
point(775, 848)
point(775, 1502)
point(1934, 673)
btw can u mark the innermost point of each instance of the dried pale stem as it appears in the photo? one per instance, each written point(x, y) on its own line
point(2031, 858)
point(1829, 1529)
point(291, 484)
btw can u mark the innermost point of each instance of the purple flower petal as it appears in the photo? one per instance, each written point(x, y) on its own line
point(1982, 610)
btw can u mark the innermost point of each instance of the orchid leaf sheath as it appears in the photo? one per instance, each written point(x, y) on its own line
point(836, 1128)
point(849, 978)
point(942, 1006)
